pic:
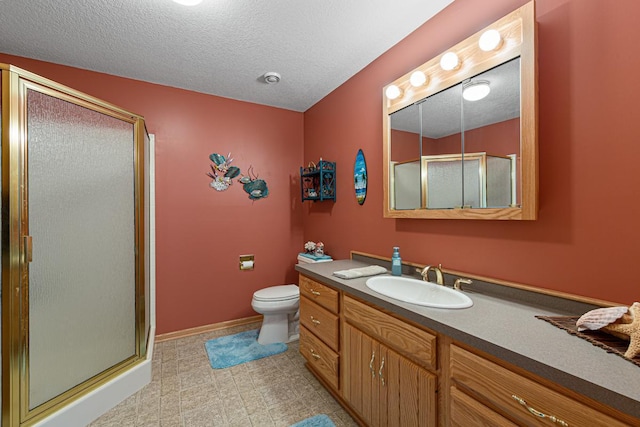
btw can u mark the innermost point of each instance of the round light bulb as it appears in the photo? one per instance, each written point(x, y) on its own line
point(449, 61)
point(490, 40)
point(418, 78)
point(188, 2)
point(393, 92)
point(476, 91)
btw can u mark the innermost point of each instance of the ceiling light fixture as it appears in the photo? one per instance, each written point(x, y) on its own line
point(188, 2)
point(449, 61)
point(271, 77)
point(417, 79)
point(475, 91)
point(490, 40)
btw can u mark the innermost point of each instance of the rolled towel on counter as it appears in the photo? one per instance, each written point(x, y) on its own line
point(354, 273)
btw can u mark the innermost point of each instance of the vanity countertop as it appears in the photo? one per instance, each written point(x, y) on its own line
point(510, 331)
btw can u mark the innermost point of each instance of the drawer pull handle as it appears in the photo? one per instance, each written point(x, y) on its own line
point(314, 321)
point(373, 357)
point(314, 354)
point(380, 371)
point(538, 413)
point(314, 292)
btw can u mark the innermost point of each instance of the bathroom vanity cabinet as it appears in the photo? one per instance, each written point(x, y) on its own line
point(379, 366)
point(484, 390)
point(319, 329)
point(387, 370)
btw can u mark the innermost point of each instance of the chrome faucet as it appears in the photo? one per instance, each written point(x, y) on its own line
point(439, 277)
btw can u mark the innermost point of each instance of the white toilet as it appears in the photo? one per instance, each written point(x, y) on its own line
point(279, 306)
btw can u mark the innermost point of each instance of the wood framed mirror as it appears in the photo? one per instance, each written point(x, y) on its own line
point(460, 131)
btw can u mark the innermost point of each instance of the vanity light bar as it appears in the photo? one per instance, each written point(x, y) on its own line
point(460, 57)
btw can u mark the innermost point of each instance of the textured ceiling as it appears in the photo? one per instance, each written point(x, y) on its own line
point(220, 47)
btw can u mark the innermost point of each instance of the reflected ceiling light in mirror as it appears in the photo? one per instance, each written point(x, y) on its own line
point(393, 92)
point(490, 40)
point(188, 2)
point(449, 61)
point(418, 78)
point(475, 91)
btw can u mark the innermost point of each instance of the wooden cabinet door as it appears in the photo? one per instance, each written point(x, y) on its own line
point(383, 387)
point(360, 355)
point(407, 392)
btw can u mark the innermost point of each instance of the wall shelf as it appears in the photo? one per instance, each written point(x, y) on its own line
point(318, 182)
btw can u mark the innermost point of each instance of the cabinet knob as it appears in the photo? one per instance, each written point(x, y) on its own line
point(315, 321)
point(380, 372)
point(539, 414)
point(314, 292)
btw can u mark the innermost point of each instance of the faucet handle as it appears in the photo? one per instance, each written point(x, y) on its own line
point(457, 285)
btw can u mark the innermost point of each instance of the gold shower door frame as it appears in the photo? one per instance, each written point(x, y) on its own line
point(16, 245)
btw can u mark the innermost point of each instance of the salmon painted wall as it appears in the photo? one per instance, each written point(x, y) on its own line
point(201, 232)
point(586, 240)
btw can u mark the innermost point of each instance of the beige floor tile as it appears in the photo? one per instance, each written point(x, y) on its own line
point(186, 392)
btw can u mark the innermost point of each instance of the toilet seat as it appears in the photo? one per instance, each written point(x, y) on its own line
point(277, 293)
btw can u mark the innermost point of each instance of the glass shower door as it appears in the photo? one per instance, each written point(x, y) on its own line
point(81, 223)
point(74, 277)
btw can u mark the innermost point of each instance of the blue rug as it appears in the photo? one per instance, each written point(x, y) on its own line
point(316, 421)
point(235, 349)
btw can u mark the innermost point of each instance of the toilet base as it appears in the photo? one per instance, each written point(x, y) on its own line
point(277, 328)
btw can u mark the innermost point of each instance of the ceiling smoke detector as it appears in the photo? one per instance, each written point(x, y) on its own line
point(271, 77)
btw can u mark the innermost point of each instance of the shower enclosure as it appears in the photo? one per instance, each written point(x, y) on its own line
point(74, 244)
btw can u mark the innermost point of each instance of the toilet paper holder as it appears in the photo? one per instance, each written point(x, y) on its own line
point(246, 262)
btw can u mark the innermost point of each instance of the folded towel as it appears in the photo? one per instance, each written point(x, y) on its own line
point(314, 257)
point(354, 273)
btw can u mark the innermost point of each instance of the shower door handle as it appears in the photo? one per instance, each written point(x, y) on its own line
point(28, 248)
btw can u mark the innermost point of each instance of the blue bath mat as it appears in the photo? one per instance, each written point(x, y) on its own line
point(235, 349)
point(316, 421)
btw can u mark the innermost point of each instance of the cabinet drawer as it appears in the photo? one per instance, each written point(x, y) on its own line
point(321, 322)
point(322, 359)
point(468, 412)
point(319, 293)
point(414, 343)
point(519, 397)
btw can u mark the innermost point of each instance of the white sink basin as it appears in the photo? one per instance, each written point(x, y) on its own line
point(418, 292)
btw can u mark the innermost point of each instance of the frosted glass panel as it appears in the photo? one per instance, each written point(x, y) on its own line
point(407, 188)
point(81, 217)
point(444, 184)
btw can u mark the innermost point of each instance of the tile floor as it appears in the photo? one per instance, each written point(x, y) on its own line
point(186, 392)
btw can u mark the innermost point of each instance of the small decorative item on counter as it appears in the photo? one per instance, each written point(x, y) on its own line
point(310, 247)
point(319, 249)
point(623, 322)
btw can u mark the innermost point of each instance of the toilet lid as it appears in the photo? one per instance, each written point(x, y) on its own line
point(277, 293)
